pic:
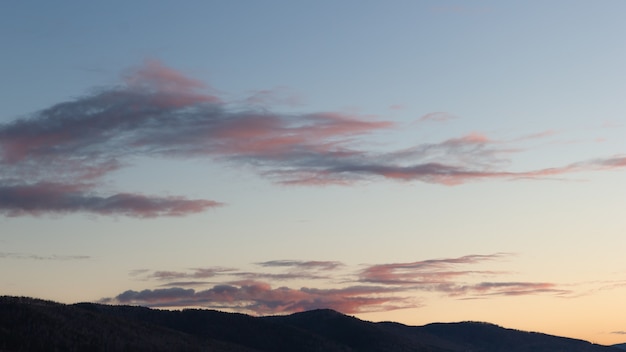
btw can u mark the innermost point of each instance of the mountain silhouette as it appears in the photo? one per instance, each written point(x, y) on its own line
point(29, 324)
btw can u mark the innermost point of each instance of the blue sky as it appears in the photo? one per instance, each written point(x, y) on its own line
point(415, 161)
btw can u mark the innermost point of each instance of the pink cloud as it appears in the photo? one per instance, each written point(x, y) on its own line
point(158, 112)
point(15, 149)
point(603, 164)
point(262, 135)
point(261, 298)
point(469, 139)
point(154, 76)
point(439, 275)
point(506, 289)
point(380, 287)
point(152, 93)
point(424, 272)
point(458, 173)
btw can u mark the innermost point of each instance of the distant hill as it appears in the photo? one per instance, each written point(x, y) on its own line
point(621, 346)
point(28, 324)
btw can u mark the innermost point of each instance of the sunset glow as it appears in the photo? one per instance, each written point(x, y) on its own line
point(410, 161)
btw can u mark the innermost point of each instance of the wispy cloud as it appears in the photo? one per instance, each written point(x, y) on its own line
point(185, 284)
point(321, 265)
point(197, 273)
point(281, 276)
point(55, 160)
point(538, 135)
point(31, 256)
point(292, 270)
point(452, 277)
point(427, 272)
point(437, 117)
point(379, 287)
point(273, 97)
point(485, 289)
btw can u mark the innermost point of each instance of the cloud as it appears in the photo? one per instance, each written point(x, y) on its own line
point(398, 165)
point(160, 112)
point(40, 198)
point(261, 298)
point(619, 332)
point(612, 285)
point(379, 287)
point(437, 117)
point(439, 275)
point(185, 283)
point(599, 164)
point(456, 173)
point(48, 158)
point(30, 256)
point(431, 272)
point(451, 162)
point(281, 276)
point(322, 265)
point(538, 135)
point(504, 289)
point(154, 76)
point(306, 270)
point(196, 273)
point(273, 97)
point(157, 111)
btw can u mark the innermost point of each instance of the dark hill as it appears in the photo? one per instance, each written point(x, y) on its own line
point(28, 324)
point(35, 325)
point(477, 336)
point(621, 346)
point(359, 335)
point(238, 329)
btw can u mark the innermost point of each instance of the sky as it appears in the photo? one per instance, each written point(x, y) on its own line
point(414, 161)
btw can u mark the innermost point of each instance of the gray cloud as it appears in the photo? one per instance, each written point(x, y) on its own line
point(31, 256)
point(261, 298)
point(378, 287)
point(40, 198)
point(55, 160)
point(320, 265)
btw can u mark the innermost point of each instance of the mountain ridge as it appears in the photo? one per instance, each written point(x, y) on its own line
point(30, 324)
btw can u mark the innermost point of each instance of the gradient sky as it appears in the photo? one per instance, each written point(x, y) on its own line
point(415, 161)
